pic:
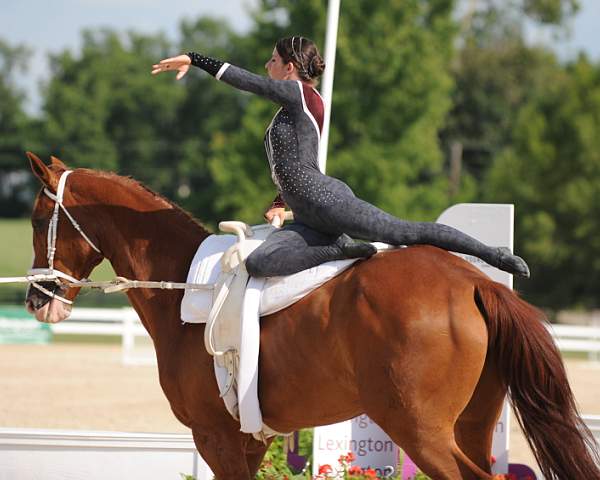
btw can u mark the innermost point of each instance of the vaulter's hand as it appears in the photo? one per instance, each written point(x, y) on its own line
point(180, 64)
point(276, 212)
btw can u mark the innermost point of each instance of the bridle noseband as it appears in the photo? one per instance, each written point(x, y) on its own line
point(55, 274)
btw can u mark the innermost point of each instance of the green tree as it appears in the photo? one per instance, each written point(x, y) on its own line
point(492, 83)
point(496, 132)
point(104, 110)
point(551, 171)
point(391, 96)
point(495, 72)
point(14, 129)
point(209, 113)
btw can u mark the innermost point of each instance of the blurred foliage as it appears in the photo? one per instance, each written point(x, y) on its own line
point(435, 102)
point(551, 171)
point(15, 128)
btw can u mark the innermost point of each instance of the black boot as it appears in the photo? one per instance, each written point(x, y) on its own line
point(353, 249)
point(511, 263)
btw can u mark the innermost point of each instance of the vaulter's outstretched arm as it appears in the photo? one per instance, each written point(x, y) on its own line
point(284, 92)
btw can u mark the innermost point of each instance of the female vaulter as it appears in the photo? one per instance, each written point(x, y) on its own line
point(326, 211)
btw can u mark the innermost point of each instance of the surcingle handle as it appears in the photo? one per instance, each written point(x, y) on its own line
point(241, 229)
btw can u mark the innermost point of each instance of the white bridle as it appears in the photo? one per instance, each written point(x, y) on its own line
point(52, 273)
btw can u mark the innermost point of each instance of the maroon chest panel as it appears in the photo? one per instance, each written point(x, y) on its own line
point(314, 103)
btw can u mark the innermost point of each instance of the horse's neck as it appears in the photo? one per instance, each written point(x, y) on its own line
point(151, 239)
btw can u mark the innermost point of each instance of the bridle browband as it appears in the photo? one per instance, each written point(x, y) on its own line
point(51, 272)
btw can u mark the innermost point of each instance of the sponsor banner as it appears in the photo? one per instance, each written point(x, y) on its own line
point(371, 447)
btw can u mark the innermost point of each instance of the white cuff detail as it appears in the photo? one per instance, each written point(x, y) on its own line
point(221, 71)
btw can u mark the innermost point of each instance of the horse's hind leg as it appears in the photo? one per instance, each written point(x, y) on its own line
point(436, 452)
point(475, 426)
point(424, 426)
point(416, 387)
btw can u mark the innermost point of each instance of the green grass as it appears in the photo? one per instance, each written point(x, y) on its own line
point(16, 252)
point(16, 256)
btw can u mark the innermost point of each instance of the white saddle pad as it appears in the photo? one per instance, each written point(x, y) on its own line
point(277, 292)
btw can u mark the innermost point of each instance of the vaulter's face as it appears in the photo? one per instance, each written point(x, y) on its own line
point(276, 68)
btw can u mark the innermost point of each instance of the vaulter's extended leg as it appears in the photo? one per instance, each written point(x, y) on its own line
point(359, 219)
point(297, 247)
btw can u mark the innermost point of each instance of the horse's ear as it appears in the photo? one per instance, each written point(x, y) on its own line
point(57, 162)
point(42, 172)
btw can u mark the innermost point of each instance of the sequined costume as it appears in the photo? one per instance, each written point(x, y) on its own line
point(324, 207)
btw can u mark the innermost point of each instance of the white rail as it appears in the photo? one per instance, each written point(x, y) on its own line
point(577, 338)
point(32, 454)
point(593, 423)
point(123, 322)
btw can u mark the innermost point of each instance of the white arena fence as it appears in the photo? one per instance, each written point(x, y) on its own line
point(577, 338)
point(593, 423)
point(125, 323)
point(35, 454)
point(122, 322)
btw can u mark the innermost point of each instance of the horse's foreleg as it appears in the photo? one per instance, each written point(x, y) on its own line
point(224, 451)
point(255, 452)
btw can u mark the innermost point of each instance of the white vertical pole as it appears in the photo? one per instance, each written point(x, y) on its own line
point(333, 15)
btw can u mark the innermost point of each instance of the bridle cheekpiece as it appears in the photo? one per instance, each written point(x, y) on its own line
point(51, 272)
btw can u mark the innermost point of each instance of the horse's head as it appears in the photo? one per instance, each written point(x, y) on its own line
point(60, 249)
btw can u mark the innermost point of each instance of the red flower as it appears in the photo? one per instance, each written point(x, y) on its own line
point(370, 473)
point(350, 457)
point(325, 469)
point(342, 460)
point(355, 470)
point(493, 459)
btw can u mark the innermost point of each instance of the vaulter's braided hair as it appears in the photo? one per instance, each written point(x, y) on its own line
point(304, 54)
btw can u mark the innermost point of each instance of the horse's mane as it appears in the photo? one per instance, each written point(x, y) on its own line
point(131, 183)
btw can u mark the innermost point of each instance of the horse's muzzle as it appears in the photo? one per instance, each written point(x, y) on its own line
point(36, 299)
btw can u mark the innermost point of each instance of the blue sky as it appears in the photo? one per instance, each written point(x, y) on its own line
point(52, 25)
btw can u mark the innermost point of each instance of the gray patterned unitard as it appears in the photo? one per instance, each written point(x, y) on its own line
point(324, 207)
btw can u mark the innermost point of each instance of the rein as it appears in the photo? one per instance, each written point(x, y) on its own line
point(37, 275)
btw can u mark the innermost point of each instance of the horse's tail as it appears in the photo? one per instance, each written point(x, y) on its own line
point(531, 367)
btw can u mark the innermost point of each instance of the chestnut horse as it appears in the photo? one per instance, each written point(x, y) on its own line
point(417, 338)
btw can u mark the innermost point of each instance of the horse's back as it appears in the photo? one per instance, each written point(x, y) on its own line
point(410, 282)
